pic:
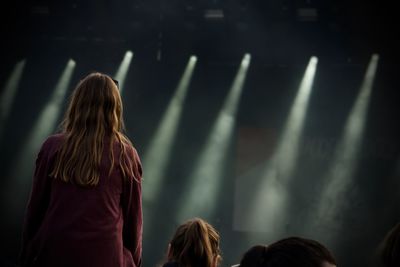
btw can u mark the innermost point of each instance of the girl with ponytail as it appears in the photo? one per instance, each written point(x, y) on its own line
point(195, 244)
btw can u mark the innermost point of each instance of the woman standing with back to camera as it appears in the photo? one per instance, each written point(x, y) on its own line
point(85, 204)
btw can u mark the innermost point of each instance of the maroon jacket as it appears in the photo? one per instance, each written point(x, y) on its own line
point(69, 225)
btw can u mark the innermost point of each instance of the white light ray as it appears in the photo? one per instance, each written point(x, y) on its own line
point(200, 199)
point(123, 69)
point(156, 157)
point(340, 174)
point(9, 91)
point(270, 202)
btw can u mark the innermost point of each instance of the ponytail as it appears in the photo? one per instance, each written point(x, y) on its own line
point(195, 244)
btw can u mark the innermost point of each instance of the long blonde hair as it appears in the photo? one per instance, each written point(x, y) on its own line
point(94, 112)
point(195, 244)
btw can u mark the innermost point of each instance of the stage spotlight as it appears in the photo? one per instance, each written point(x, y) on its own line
point(123, 69)
point(340, 174)
point(23, 167)
point(9, 92)
point(269, 204)
point(205, 181)
point(156, 156)
point(288, 146)
point(48, 117)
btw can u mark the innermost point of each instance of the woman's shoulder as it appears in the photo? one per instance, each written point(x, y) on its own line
point(128, 146)
point(54, 139)
point(52, 142)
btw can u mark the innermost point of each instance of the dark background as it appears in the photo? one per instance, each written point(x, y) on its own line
point(96, 34)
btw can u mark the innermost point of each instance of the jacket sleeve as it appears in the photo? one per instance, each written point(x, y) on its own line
point(37, 204)
point(131, 201)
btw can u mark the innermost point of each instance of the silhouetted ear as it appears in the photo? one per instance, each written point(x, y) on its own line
point(169, 251)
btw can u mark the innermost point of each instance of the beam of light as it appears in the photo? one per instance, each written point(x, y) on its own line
point(288, 147)
point(200, 198)
point(271, 197)
point(9, 92)
point(48, 117)
point(22, 170)
point(123, 69)
point(340, 174)
point(156, 157)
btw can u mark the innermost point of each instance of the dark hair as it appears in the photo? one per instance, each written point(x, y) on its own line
point(390, 248)
point(254, 257)
point(288, 252)
point(195, 244)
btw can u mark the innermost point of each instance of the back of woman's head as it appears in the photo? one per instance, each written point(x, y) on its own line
point(289, 252)
point(94, 112)
point(195, 244)
point(95, 106)
point(390, 248)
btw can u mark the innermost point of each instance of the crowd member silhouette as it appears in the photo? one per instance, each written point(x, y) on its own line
point(85, 203)
point(195, 244)
point(289, 252)
point(390, 248)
